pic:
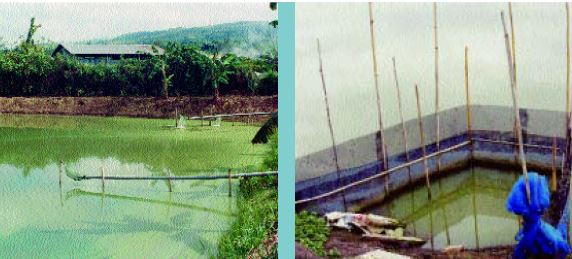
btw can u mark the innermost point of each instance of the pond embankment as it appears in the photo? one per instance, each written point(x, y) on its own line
point(149, 107)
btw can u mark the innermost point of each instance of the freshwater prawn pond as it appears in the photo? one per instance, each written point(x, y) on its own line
point(468, 209)
point(130, 219)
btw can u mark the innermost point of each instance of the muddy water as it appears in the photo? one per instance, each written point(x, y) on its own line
point(468, 208)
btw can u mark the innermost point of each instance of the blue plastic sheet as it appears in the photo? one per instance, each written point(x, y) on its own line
point(536, 237)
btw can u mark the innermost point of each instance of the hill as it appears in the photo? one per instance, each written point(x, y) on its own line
point(250, 38)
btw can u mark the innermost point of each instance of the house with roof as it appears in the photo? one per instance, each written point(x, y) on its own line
point(107, 53)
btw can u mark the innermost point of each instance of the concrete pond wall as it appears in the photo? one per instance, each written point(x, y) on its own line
point(492, 131)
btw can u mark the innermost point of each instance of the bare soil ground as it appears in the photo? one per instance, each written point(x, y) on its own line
point(350, 244)
point(149, 107)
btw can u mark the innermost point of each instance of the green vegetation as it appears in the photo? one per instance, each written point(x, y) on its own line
point(249, 38)
point(30, 70)
point(257, 220)
point(312, 232)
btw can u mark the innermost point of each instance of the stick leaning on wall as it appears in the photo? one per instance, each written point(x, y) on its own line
point(334, 147)
point(381, 147)
point(516, 107)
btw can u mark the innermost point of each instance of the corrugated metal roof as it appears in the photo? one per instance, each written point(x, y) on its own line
point(112, 49)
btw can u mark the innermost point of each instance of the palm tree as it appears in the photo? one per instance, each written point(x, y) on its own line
point(218, 72)
point(274, 7)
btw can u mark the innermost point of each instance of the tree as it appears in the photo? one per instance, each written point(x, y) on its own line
point(31, 31)
point(274, 7)
point(218, 73)
point(166, 80)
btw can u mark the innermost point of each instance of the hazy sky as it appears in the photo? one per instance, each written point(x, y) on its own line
point(83, 21)
point(404, 31)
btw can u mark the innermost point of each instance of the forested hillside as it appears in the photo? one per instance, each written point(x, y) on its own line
point(241, 38)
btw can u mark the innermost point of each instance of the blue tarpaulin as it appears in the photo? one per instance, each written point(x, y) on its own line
point(536, 236)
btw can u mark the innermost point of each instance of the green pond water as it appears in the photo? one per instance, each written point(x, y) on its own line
point(468, 208)
point(131, 219)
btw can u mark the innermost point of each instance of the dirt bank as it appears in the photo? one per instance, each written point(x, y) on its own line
point(150, 107)
point(351, 244)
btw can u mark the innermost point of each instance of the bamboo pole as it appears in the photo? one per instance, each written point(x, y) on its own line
point(334, 147)
point(444, 213)
point(61, 165)
point(567, 108)
point(431, 237)
point(425, 166)
point(102, 180)
point(513, 48)
point(512, 40)
point(229, 183)
point(553, 177)
point(567, 65)
point(176, 117)
point(436, 43)
point(403, 128)
point(230, 115)
point(169, 183)
point(502, 142)
point(516, 108)
point(176, 178)
point(474, 201)
point(467, 94)
point(381, 147)
point(412, 210)
point(470, 137)
point(212, 112)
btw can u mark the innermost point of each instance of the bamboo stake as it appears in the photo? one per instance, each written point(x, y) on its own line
point(553, 177)
point(412, 210)
point(176, 178)
point(436, 42)
point(425, 166)
point(431, 237)
point(467, 93)
point(403, 128)
point(444, 213)
point(512, 143)
point(229, 184)
point(212, 112)
point(334, 148)
point(169, 184)
point(470, 137)
point(567, 108)
point(474, 201)
point(380, 146)
point(567, 65)
point(513, 48)
point(102, 180)
point(513, 41)
point(61, 171)
point(231, 115)
point(516, 108)
point(176, 117)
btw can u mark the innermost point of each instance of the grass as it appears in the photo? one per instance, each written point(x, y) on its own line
point(312, 232)
point(257, 219)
